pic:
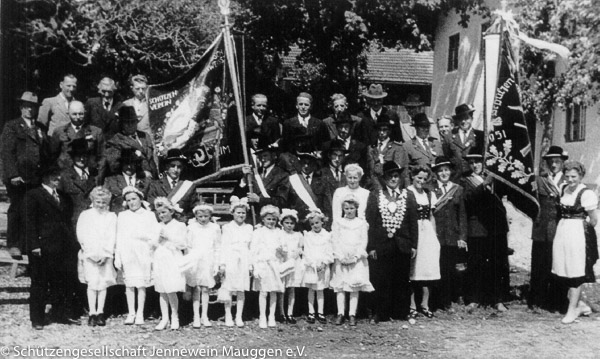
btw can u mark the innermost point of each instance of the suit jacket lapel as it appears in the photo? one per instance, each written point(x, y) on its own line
point(50, 199)
point(417, 144)
point(31, 132)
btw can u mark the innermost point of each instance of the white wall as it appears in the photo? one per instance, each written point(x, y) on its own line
point(586, 152)
point(464, 85)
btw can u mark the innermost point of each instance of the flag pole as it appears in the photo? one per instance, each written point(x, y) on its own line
point(225, 11)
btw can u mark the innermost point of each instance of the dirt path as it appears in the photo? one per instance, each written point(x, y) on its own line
point(517, 333)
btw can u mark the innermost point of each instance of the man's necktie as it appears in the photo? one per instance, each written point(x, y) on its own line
point(307, 178)
point(264, 173)
point(106, 105)
point(56, 196)
point(84, 175)
point(173, 183)
point(445, 187)
point(131, 181)
point(77, 128)
point(426, 145)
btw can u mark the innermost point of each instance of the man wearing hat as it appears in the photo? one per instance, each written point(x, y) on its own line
point(451, 229)
point(422, 149)
point(393, 236)
point(356, 151)
point(543, 290)
point(24, 148)
point(386, 150)
point(172, 185)
point(129, 138)
point(487, 263)
point(139, 86)
point(267, 126)
point(312, 182)
point(102, 111)
point(52, 250)
point(304, 124)
point(55, 110)
point(78, 180)
point(270, 183)
point(79, 129)
point(463, 138)
point(130, 174)
point(365, 130)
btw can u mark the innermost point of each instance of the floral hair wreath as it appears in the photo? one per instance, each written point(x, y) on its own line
point(164, 202)
point(236, 202)
point(203, 207)
point(131, 189)
point(286, 213)
point(316, 213)
point(269, 209)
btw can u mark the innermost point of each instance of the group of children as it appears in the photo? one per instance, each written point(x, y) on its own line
point(139, 251)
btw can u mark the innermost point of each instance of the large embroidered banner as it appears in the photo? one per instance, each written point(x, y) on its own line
point(509, 157)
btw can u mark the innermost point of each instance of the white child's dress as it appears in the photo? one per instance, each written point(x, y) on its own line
point(199, 263)
point(318, 250)
point(235, 255)
point(361, 194)
point(350, 238)
point(166, 272)
point(96, 233)
point(136, 232)
point(265, 260)
point(292, 245)
point(426, 265)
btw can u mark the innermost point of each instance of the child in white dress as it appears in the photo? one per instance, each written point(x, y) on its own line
point(234, 261)
point(292, 246)
point(266, 254)
point(318, 255)
point(137, 229)
point(350, 274)
point(167, 276)
point(96, 233)
point(202, 239)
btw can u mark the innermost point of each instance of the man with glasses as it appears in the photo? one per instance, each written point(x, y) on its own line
point(77, 129)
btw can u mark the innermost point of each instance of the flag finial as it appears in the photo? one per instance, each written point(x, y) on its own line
point(224, 6)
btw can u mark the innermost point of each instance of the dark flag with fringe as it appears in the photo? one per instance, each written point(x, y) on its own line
point(509, 157)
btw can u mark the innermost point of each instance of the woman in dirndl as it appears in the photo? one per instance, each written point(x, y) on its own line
point(575, 248)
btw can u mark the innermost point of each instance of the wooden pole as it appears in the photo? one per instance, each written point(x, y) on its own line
point(228, 41)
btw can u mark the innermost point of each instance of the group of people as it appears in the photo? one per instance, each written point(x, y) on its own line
point(363, 204)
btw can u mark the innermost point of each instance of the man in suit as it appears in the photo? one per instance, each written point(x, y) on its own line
point(54, 112)
point(422, 149)
point(139, 86)
point(52, 249)
point(332, 172)
point(365, 130)
point(24, 148)
point(386, 150)
point(487, 262)
point(311, 180)
point(339, 104)
point(270, 183)
point(259, 119)
point(171, 185)
point(79, 129)
point(304, 124)
point(131, 174)
point(393, 238)
point(357, 152)
point(102, 111)
point(129, 137)
point(451, 228)
point(543, 290)
point(78, 179)
point(462, 139)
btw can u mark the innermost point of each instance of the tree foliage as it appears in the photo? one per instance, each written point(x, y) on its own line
point(160, 38)
point(571, 23)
